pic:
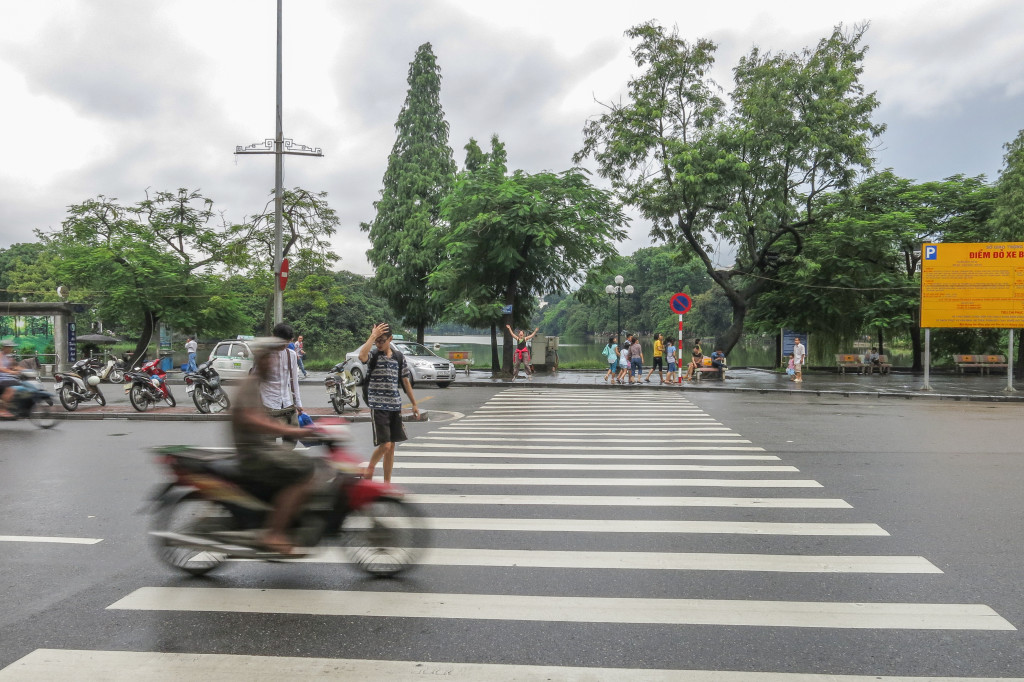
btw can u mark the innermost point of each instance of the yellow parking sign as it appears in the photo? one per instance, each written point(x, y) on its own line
point(972, 285)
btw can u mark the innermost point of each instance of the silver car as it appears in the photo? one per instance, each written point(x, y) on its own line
point(423, 364)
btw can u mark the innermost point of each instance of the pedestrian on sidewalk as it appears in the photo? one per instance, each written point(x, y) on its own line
point(300, 355)
point(670, 353)
point(659, 352)
point(696, 360)
point(611, 356)
point(636, 361)
point(191, 347)
point(791, 368)
point(623, 362)
point(799, 354)
point(385, 370)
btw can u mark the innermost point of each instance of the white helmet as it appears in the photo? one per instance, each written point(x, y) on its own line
point(93, 380)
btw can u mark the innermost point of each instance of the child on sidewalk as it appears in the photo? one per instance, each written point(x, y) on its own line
point(791, 368)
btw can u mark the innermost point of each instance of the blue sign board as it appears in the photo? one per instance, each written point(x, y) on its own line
point(789, 340)
point(72, 344)
point(506, 310)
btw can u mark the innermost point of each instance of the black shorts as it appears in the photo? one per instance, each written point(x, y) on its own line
point(656, 364)
point(387, 427)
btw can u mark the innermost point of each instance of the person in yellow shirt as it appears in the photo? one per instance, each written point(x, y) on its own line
point(659, 353)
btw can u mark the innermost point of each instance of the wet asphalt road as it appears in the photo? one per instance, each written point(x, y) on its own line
point(941, 479)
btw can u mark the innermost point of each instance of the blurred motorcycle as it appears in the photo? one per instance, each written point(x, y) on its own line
point(79, 385)
point(31, 401)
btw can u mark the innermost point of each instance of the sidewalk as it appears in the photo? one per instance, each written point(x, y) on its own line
point(816, 383)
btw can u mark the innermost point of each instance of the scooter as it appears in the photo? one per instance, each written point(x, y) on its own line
point(147, 385)
point(341, 388)
point(205, 388)
point(111, 370)
point(208, 514)
point(80, 385)
point(30, 401)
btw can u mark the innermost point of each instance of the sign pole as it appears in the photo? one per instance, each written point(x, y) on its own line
point(1009, 367)
point(679, 353)
point(927, 357)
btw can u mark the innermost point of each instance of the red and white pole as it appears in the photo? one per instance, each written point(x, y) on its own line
point(679, 352)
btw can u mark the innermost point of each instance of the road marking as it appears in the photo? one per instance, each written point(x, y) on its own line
point(407, 450)
point(645, 526)
point(615, 481)
point(36, 538)
point(534, 466)
point(130, 666)
point(636, 501)
point(604, 448)
point(510, 607)
point(595, 429)
point(711, 438)
point(655, 561)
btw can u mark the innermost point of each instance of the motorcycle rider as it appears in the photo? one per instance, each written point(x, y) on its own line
point(8, 377)
point(273, 467)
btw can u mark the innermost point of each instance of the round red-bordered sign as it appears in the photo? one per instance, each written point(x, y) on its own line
point(680, 304)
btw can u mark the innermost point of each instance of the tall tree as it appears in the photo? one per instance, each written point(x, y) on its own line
point(420, 173)
point(520, 236)
point(1008, 218)
point(743, 177)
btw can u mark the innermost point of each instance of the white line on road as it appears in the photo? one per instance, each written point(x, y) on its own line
point(583, 444)
point(131, 666)
point(534, 466)
point(510, 607)
point(637, 526)
point(409, 451)
point(710, 438)
point(636, 501)
point(36, 538)
point(616, 481)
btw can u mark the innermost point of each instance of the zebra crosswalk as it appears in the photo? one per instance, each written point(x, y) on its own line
point(571, 549)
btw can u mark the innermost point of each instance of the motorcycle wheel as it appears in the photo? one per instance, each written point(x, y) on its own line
point(41, 414)
point(220, 401)
point(201, 400)
point(67, 398)
point(385, 537)
point(138, 398)
point(353, 401)
point(100, 399)
point(188, 516)
point(169, 399)
point(116, 376)
point(336, 402)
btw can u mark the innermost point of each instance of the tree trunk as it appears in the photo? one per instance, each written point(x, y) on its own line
point(881, 341)
point(149, 322)
point(420, 329)
point(916, 348)
point(495, 359)
point(732, 335)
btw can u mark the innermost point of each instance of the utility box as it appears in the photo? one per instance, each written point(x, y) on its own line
point(544, 354)
point(166, 360)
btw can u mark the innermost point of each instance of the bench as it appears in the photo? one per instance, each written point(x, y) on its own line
point(983, 363)
point(965, 362)
point(708, 369)
point(461, 358)
point(883, 365)
point(845, 361)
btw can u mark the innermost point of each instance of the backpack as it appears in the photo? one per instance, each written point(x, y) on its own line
point(371, 364)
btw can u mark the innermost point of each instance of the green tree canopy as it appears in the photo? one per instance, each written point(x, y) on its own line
point(420, 173)
point(520, 236)
point(747, 174)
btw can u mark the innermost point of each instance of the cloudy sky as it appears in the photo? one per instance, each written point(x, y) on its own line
point(118, 96)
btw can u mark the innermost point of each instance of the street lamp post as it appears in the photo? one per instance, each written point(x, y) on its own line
point(618, 290)
point(279, 146)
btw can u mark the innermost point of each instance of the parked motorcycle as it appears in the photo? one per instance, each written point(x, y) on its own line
point(341, 388)
point(208, 513)
point(111, 369)
point(147, 385)
point(205, 388)
point(80, 385)
point(31, 401)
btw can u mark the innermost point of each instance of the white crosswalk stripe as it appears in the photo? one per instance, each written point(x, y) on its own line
point(568, 445)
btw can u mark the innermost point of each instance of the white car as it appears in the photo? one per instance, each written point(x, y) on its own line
point(423, 364)
point(232, 359)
